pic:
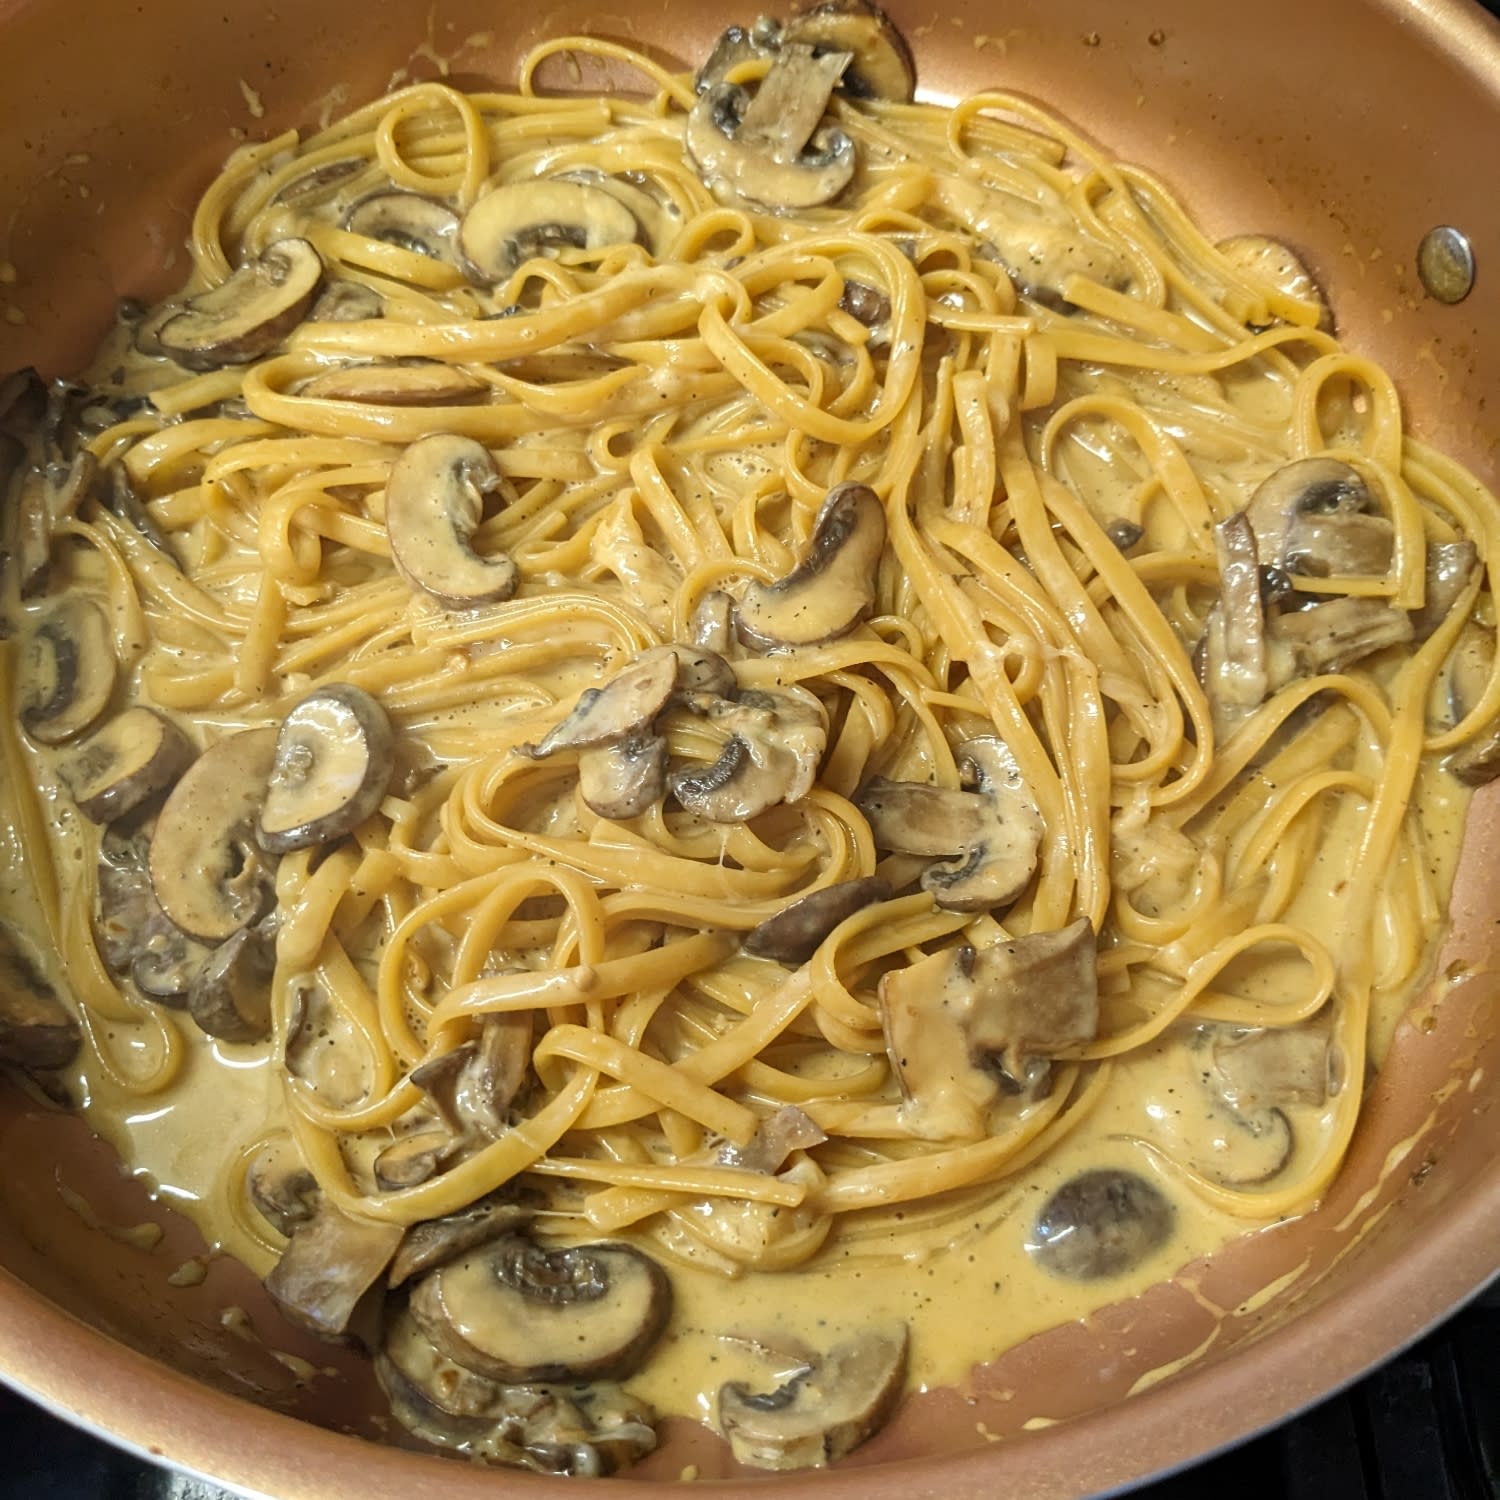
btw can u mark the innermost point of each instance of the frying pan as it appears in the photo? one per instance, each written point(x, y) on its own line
point(1347, 128)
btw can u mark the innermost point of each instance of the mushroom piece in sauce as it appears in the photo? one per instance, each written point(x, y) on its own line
point(1101, 1223)
point(518, 1312)
point(280, 1186)
point(776, 742)
point(37, 1031)
point(250, 313)
point(824, 1411)
point(408, 220)
point(335, 753)
point(1469, 670)
point(1336, 634)
point(988, 838)
point(1318, 517)
point(518, 220)
point(206, 867)
point(770, 149)
point(792, 936)
point(67, 671)
point(626, 779)
point(832, 588)
point(135, 756)
point(433, 501)
point(881, 65)
point(331, 1263)
point(434, 1242)
point(230, 996)
point(424, 383)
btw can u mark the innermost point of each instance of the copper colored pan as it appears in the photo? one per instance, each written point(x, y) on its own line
point(1347, 127)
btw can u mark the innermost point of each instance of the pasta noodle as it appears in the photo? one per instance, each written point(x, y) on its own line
point(1061, 400)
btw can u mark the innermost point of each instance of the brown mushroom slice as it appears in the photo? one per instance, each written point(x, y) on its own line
point(68, 671)
point(964, 1025)
point(825, 1411)
point(624, 780)
point(346, 302)
point(119, 497)
point(586, 1433)
point(772, 756)
point(1100, 1224)
point(770, 150)
point(434, 499)
point(435, 1242)
point(206, 868)
point(992, 835)
point(281, 1188)
point(713, 623)
point(699, 669)
point(412, 1159)
point(37, 1031)
point(315, 183)
point(866, 304)
point(409, 220)
point(1310, 487)
point(1450, 569)
point(230, 996)
point(1331, 636)
point(335, 753)
point(792, 936)
point(250, 313)
point(1328, 546)
point(881, 65)
point(737, 45)
point(136, 755)
point(333, 1260)
point(623, 707)
point(46, 496)
point(1469, 667)
point(426, 384)
point(512, 223)
point(1235, 670)
point(832, 588)
point(1261, 259)
point(517, 1312)
point(324, 1047)
point(474, 1086)
point(1273, 1065)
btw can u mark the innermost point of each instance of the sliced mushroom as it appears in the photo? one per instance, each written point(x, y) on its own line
point(435, 1242)
point(346, 302)
point(1235, 669)
point(230, 997)
point(412, 1159)
point(865, 304)
point(1469, 667)
point(770, 150)
point(789, 1129)
point(881, 65)
point(333, 1260)
point(623, 707)
point(1334, 635)
point(512, 223)
point(964, 1026)
point(427, 383)
point(37, 1032)
point(135, 756)
point(776, 742)
point(67, 671)
point(47, 496)
point(699, 669)
point(433, 501)
point(474, 1086)
point(825, 1411)
point(624, 780)
point(832, 588)
point(1312, 489)
point(250, 313)
point(713, 622)
point(206, 868)
point(335, 753)
point(735, 46)
point(409, 220)
point(324, 1048)
point(517, 1312)
point(1450, 569)
point(120, 497)
point(132, 932)
point(1101, 1223)
point(588, 1432)
point(1278, 266)
point(991, 836)
point(316, 182)
point(792, 936)
point(1273, 1065)
point(280, 1186)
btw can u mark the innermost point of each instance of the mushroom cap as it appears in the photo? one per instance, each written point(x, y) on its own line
point(822, 1413)
point(517, 1312)
point(282, 1189)
point(881, 65)
point(624, 780)
point(513, 222)
point(422, 383)
point(832, 588)
point(793, 935)
point(411, 220)
point(335, 753)
point(205, 867)
point(1101, 1223)
point(622, 708)
point(136, 755)
point(332, 1261)
point(250, 313)
point(434, 499)
point(67, 670)
point(230, 996)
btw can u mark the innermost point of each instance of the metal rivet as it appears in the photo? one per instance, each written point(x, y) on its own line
point(1445, 262)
